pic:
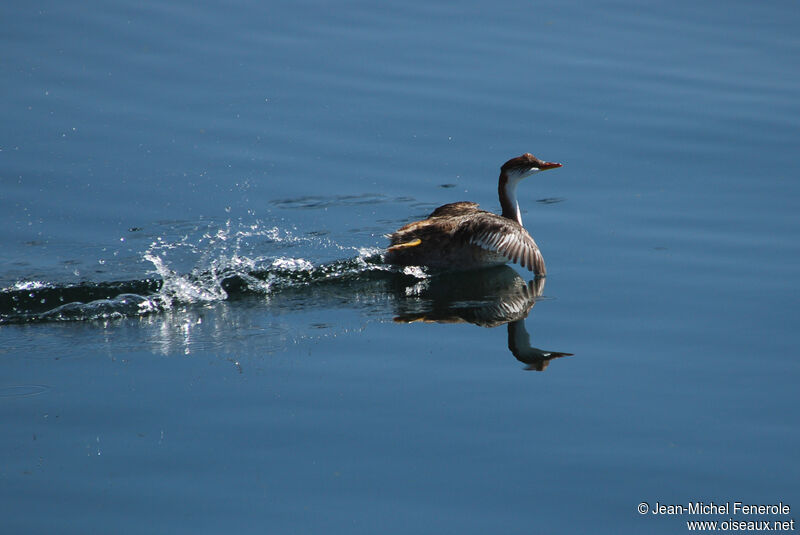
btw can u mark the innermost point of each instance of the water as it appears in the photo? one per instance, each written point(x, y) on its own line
point(198, 334)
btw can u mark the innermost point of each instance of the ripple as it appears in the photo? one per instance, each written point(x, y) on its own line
point(22, 391)
point(312, 202)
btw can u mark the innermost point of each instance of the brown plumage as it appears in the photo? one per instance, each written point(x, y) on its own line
point(462, 236)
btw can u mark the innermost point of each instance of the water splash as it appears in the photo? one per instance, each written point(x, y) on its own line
point(196, 265)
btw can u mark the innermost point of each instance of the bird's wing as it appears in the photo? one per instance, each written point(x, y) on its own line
point(455, 209)
point(450, 212)
point(504, 237)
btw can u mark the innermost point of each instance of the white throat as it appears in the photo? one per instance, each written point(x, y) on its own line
point(508, 192)
point(508, 199)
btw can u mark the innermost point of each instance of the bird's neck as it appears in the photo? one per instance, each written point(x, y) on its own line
point(507, 190)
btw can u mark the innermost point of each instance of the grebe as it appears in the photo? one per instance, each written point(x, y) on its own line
point(460, 236)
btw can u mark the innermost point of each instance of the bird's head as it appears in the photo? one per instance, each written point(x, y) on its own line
point(526, 165)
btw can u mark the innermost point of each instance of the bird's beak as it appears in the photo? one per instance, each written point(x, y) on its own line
point(549, 165)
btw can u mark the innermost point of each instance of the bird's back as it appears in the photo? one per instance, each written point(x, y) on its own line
point(462, 236)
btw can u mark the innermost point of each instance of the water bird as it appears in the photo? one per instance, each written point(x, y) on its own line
point(461, 236)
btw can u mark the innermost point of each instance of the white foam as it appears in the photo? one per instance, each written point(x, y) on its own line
point(415, 271)
point(293, 264)
point(29, 285)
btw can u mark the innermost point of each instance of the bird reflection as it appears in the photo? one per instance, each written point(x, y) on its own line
point(488, 298)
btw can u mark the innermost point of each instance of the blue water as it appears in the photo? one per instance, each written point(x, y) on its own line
point(197, 333)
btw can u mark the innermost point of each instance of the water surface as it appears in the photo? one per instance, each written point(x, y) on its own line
point(198, 333)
